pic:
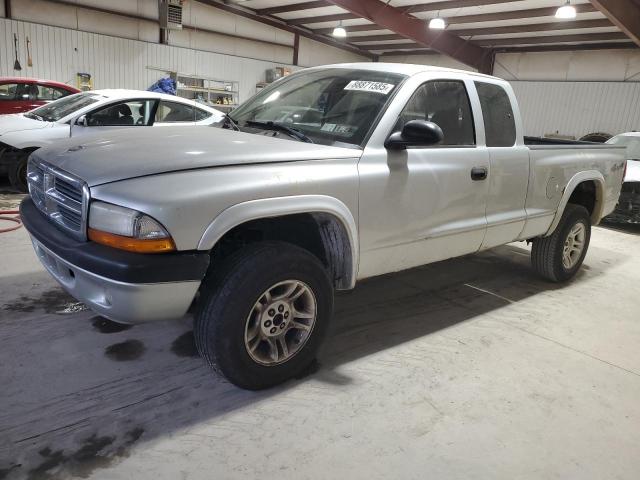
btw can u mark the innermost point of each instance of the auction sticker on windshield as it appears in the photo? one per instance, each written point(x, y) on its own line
point(366, 86)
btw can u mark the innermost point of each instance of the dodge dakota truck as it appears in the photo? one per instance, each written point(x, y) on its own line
point(326, 177)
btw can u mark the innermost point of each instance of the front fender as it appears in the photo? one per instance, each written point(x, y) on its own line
point(578, 178)
point(280, 206)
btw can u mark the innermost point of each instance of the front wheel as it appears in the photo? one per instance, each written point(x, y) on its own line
point(18, 173)
point(263, 314)
point(559, 256)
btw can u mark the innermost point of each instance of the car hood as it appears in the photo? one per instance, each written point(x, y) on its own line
point(17, 122)
point(633, 171)
point(130, 153)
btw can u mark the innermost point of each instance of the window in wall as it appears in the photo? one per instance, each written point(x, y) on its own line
point(499, 125)
point(445, 103)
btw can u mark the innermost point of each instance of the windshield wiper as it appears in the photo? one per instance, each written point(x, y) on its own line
point(293, 132)
point(230, 121)
point(33, 115)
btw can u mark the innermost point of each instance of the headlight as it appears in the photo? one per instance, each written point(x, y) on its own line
point(127, 229)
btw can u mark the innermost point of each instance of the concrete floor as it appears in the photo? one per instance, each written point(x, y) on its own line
point(466, 369)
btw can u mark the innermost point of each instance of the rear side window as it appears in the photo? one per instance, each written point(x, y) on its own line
point(46, 92)
point(8, 91)
point(445, 103)
point(499, 125)
point(201, 114)
point(174, 112)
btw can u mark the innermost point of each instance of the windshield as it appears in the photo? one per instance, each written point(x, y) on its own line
point(631, 142)
point(54, 111)
point(334, 106)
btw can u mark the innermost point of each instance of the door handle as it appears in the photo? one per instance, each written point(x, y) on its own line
point(478, 173)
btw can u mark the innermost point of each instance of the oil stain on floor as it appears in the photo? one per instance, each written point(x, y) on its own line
point(95, 452)
point(54, 300)
point(125, 351)
point(104, 325)
point(185, 345)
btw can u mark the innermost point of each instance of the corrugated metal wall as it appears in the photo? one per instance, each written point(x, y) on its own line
point(59, 53)
point(578, 108)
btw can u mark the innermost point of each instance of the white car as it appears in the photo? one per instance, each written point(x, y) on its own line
point(628, 208)
point(91, 112)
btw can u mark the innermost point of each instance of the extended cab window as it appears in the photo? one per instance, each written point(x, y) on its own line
point(499, 125)
point(445, 103)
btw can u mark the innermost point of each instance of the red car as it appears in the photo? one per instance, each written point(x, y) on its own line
point(24, 94)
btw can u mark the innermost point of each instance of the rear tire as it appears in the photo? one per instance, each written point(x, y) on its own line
point(559, 256)
point(244, 312)
point(18, 173)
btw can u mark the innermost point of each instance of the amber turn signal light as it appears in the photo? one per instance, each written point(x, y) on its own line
point(155, 245)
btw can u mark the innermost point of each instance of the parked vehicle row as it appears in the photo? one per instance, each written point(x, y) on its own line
point(19, 95)
point(92, 112)
point(628, 207)
point(326, 177)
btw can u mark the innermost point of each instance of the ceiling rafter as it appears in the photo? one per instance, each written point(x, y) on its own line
point(495, 42)
point(625, 14)
point(470, 32)
point(295, 7)
point(413, 28)
point(532, 48)
point(278, 23)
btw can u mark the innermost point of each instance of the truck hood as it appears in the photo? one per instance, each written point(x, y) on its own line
point(633, 171)
point(17, 122)
point(136, 152)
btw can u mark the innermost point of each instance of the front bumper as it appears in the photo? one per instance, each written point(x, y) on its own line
point(123, 286)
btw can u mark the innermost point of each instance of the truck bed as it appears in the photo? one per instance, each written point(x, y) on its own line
point(557, 142)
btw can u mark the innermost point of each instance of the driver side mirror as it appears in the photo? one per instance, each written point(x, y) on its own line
point(415, 133)
point(82, 121)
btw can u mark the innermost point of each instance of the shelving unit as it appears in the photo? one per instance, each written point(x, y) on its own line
point(217, 93)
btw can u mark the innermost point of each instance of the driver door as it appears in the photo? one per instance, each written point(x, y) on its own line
point(116, 116)
point(422, 204)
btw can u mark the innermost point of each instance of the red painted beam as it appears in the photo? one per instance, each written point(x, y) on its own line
point(412, 28)
point(625, 14)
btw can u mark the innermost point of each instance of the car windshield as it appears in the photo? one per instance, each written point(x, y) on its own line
point(631, 142)
point(54, 111)
point(336, 106)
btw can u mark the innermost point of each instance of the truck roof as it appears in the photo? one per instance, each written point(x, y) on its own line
point(403, 68)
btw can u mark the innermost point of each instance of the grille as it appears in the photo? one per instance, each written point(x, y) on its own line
point(60, 196)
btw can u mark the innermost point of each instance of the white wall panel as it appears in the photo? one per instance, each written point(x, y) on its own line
point(60, 53)
point(597, 65)
point(312, 53)
point(431, 59)
point(578, 108)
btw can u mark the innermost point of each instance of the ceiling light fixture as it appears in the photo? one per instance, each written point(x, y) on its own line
point(339, 31)
point(437, 24)
point(566, 11)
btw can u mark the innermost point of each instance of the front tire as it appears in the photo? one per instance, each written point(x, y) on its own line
point(559, 256)
point(18, 173)
point(263, 314)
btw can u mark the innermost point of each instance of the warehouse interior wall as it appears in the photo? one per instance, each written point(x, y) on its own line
point(123, 52)
point(60, 53)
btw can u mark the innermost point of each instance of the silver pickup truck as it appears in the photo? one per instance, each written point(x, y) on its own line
point(326, 177)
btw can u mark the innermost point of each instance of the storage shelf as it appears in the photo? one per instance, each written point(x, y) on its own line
point(206, 90)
